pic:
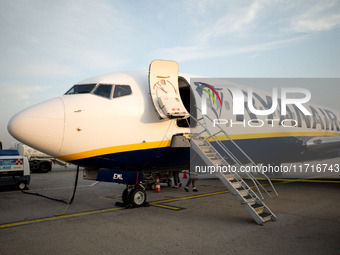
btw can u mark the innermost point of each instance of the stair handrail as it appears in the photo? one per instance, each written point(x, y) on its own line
point(231, 155)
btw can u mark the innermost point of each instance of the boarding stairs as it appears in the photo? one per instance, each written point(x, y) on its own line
point(211, 156)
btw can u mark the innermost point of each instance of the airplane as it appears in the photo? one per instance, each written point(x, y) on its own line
point(121, 125)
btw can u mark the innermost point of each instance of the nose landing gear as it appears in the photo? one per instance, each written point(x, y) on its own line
point(133, 196)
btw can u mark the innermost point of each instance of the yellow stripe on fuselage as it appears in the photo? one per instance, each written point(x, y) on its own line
point(273, 135)
point(162, 144)
point(116, 149)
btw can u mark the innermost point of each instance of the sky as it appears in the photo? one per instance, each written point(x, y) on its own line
point(46, 46)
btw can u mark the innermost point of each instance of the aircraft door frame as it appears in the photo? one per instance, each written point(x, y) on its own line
point(164, 90)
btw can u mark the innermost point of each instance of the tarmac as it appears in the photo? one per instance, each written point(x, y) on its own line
point(177, 222)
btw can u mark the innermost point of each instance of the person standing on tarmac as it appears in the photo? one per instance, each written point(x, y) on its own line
point(192, 180)
point(177, 181)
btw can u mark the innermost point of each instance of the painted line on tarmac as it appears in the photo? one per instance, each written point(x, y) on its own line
point(159, 204)
point(27, 222)
point(300, 180)
point(192, 197)
point(173, 208)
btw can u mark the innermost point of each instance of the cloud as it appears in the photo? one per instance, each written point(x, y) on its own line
point(73, 38)
point(63, 38)
point(316, 25)
point(252, 27)
point(318, 17)
point(199, 52)
point(237, 21)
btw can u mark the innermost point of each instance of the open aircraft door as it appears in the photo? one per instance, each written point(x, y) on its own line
point(164, 91)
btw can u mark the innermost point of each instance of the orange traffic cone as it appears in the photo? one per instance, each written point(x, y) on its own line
point(158, 187)
point(185, 175)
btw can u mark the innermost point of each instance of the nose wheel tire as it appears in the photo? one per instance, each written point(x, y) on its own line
point(125, 196)
point(135, 197)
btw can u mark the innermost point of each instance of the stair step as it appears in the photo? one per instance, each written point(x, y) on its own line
point(205, 148)
point(243, 192)
point(230, 178)
point(236, 184)
point(258, 208)
point(250, 200)
point(215, 162)
point(265, 216)
point(199, 142)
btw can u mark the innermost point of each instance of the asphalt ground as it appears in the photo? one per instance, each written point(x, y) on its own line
point(177, 222)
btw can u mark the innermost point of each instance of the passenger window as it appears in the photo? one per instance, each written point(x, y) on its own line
point(103, 91)
point(122, 90)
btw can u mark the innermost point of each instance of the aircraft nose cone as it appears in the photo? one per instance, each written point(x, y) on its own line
point(40, 126)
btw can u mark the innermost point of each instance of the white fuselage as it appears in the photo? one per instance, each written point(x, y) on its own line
point(91, 130)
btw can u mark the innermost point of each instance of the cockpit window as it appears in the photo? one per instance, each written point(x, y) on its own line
point(122, 90)
point(81, 89)
point(103, 91)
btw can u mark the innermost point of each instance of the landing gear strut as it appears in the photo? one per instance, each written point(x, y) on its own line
point(133, 196)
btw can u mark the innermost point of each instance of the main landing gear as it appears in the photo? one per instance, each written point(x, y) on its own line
point(133, 196)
